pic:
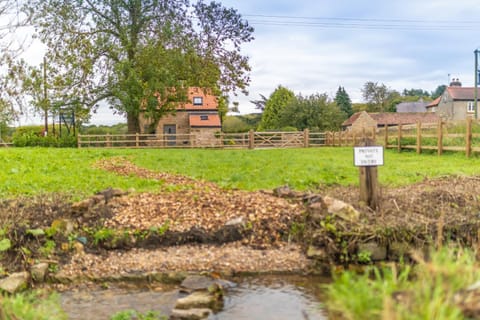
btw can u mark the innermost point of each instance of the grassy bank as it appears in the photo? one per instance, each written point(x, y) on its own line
point(444, 287)
point(30, 171)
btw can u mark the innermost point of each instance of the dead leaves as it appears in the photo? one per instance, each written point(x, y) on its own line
point(201, 205)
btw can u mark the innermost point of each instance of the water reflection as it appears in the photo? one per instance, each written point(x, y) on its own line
point(259, 297)
point(274, 297)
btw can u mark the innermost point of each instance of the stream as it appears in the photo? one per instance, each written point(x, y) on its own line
point(257, 297)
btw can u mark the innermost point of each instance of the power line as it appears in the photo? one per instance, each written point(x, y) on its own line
point(360, 23)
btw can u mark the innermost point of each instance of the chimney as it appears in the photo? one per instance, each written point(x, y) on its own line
point(455, 83)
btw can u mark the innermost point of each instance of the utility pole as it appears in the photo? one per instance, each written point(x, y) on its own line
point(45, 106)
point(476, 83)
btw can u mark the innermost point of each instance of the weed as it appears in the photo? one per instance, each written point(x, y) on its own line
point(102, 235)
point(364, 257)
point(160, 231)
point(48, 248)
point(132, 314)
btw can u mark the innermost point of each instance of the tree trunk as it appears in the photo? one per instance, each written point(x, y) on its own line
point(133, 123)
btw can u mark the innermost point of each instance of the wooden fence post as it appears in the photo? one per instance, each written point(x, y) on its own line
point(399, 142)
point(306, 138)
point(419, 137)
point(386, 136)
point(369, 181)
point(251, 139)
point(137, 140)
point(79, 141)
point(374, 134)
point(468, 137)
point(108, 142)
point(440, 138)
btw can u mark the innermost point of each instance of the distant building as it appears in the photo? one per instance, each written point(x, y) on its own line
point(419, 106)
point(198, 117)
point(455, 103)
point(366, 121)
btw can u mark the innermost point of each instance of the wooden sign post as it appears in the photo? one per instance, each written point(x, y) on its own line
point(367, 158)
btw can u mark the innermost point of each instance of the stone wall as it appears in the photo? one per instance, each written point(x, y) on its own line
point(206, 137)
point(364, 121)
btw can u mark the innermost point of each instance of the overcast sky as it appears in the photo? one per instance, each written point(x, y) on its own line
point(315, 46)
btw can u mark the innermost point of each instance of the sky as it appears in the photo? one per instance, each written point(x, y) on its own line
point(315, 46)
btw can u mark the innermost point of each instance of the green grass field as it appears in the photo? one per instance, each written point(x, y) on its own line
point(29, 171)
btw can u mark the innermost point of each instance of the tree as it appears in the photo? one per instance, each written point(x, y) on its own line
point(137, 54)
point(277, 101)
point(375, 95)
point(11, 19)
point(315, 112)
point(343, 101)
point(438, 91)
point(416, 93)
point(260, 104)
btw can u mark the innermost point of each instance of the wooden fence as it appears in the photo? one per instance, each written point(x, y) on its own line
point(250, 140)
point(460, 136)
point(463, 136)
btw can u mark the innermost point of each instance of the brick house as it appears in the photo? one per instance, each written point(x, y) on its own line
point(364, 120)
point(455, 103)
point(195, 122)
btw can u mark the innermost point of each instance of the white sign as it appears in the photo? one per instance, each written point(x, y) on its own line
point(368, 156)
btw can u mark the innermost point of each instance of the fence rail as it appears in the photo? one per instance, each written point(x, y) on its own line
point(462, 136)
point(250, 140)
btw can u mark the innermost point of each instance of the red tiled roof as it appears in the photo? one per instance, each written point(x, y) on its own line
point(210, 120)
point(461, 93)
point(394, 118)
point(434, 103)
point(209, 101)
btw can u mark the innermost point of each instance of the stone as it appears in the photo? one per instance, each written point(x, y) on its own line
point(190, 314)
point(62, 277)
point(317, 253)
point(39, 271)
point(341, 209)
point(399, 250)
point(82, 206)
point(15, 282)
point(197, 299)
point(197, 282)
point(240, 221)
point(377, 252)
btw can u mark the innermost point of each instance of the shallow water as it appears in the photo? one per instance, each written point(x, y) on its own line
point(274, 298)
point(259, 297)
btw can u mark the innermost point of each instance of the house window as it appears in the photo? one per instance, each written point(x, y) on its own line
point(203, 118)
point(470, 106)
point(198, 101)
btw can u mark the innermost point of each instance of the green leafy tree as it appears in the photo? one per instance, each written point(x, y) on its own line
point(343, 101)
point(278, 100)
point(438, 91)
point(137, 54)
point(315, 112)
point(416, 93)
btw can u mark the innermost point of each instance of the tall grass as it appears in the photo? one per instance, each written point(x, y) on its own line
point(425, 291)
